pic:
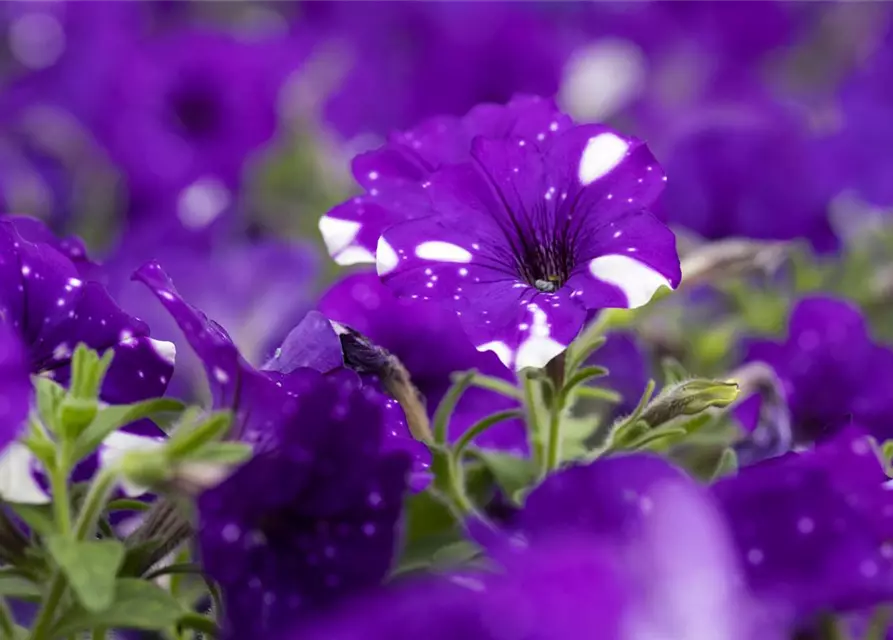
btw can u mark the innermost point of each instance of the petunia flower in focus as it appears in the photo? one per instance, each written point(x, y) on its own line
point(629, 547)
point(432, 346)
point(531, 235)
point(831, 370)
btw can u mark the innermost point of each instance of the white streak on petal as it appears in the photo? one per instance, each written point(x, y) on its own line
point(338, 233)
point(440, 251)
point(167, 351)
point(116, 445)
point(385, 257)
point(354, 255)
point(601, 155)
point(539, 348)
point(201, 202)
point(637, 280)
point(17, 483)
point(501, 349)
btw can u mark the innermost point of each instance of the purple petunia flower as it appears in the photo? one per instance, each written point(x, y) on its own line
point(525, 237)
point(323, 488)
point(190, 108)
point(627, 369)
point(50, 305)
point(431, 344)
point(831, 370)
point(746, 168)
point(815, 529)
point(628, 546)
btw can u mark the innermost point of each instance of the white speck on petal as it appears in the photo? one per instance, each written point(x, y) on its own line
point(442, 252)
point(385, 257)
point(220, 375)
point(601, 155)
point(637, 280)
point(201, 202)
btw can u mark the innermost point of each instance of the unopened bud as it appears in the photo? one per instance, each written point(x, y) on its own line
point(689, 398)
point(75, 415)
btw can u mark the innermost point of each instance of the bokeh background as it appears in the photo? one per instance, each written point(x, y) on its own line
point(213, 135)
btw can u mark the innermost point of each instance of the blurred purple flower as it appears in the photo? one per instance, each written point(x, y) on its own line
point(627, 369)
point(814, 529)
point(432, 346)
point(190, 107)
point(859, 153)
point(746, 168)
point(324, 489)
point(628, 546)
point(831, 370)
point(313, 519)
point(533, 233)
point(409, 61)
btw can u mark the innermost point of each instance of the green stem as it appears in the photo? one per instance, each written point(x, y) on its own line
point(98, 634)
point(98, 494)
point(448, 405)
point(553, 447)
point(7, 625)
point(479, 427)
point(59, 488)
point(533, 427)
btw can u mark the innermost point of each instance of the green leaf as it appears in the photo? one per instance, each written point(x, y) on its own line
point(49, 396)
point(91, 567)
point(112, 418)
point(455, 555)
point(431, 525)
point(39, 517)
point(15, 585)
point(226, 453)
point(513, 474)
point(497, 385)
point(195, 431)
point(137, 604)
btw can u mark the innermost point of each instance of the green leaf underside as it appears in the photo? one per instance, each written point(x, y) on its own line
point(91, 567)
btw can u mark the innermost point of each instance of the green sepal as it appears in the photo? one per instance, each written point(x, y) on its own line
point(49, 394)
point(111, 418)
point(195, 430)
point(14, 585)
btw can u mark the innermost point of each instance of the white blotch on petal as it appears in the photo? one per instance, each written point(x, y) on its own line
point(17, 483)
point(385, 257)
point(601, 155)
point(354, 255)
point(637, 280)
point(538, 349)
point(167, 351)
point(338, 233)
point(442, 252)
point(501, 349)
point(116, 445)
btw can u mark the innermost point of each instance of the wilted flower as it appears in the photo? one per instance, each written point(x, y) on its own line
point(831, 370)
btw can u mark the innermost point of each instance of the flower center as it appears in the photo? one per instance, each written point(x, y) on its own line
point(545, 267)
point(196, 111)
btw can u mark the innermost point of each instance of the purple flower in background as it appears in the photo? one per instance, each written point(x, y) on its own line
point(627, 369)
point(404, 62)
point(393, 175)
point(15, 385)
point(305, 523)
point(629, 546)
point(831, 370)
point(190, 107)
point(746, 168)
point(814, 529)
point(264, 290)
point(45, 298)
point(531, 234)
point(859, 153)
point(431, 344)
